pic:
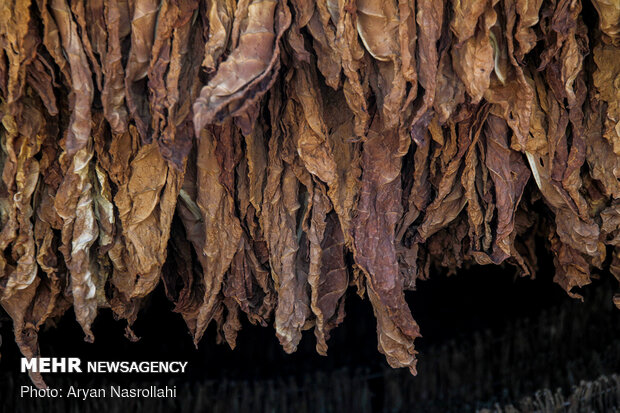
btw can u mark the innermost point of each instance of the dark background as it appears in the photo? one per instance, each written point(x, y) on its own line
point(474, 324)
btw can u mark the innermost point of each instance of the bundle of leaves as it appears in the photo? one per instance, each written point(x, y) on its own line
point(259, 157)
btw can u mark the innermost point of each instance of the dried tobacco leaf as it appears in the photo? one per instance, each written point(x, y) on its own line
point(251, 67)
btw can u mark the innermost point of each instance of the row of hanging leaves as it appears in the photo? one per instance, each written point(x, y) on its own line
point(260, 157)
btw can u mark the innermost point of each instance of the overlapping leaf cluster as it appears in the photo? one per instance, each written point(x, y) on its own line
point(259, 157)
